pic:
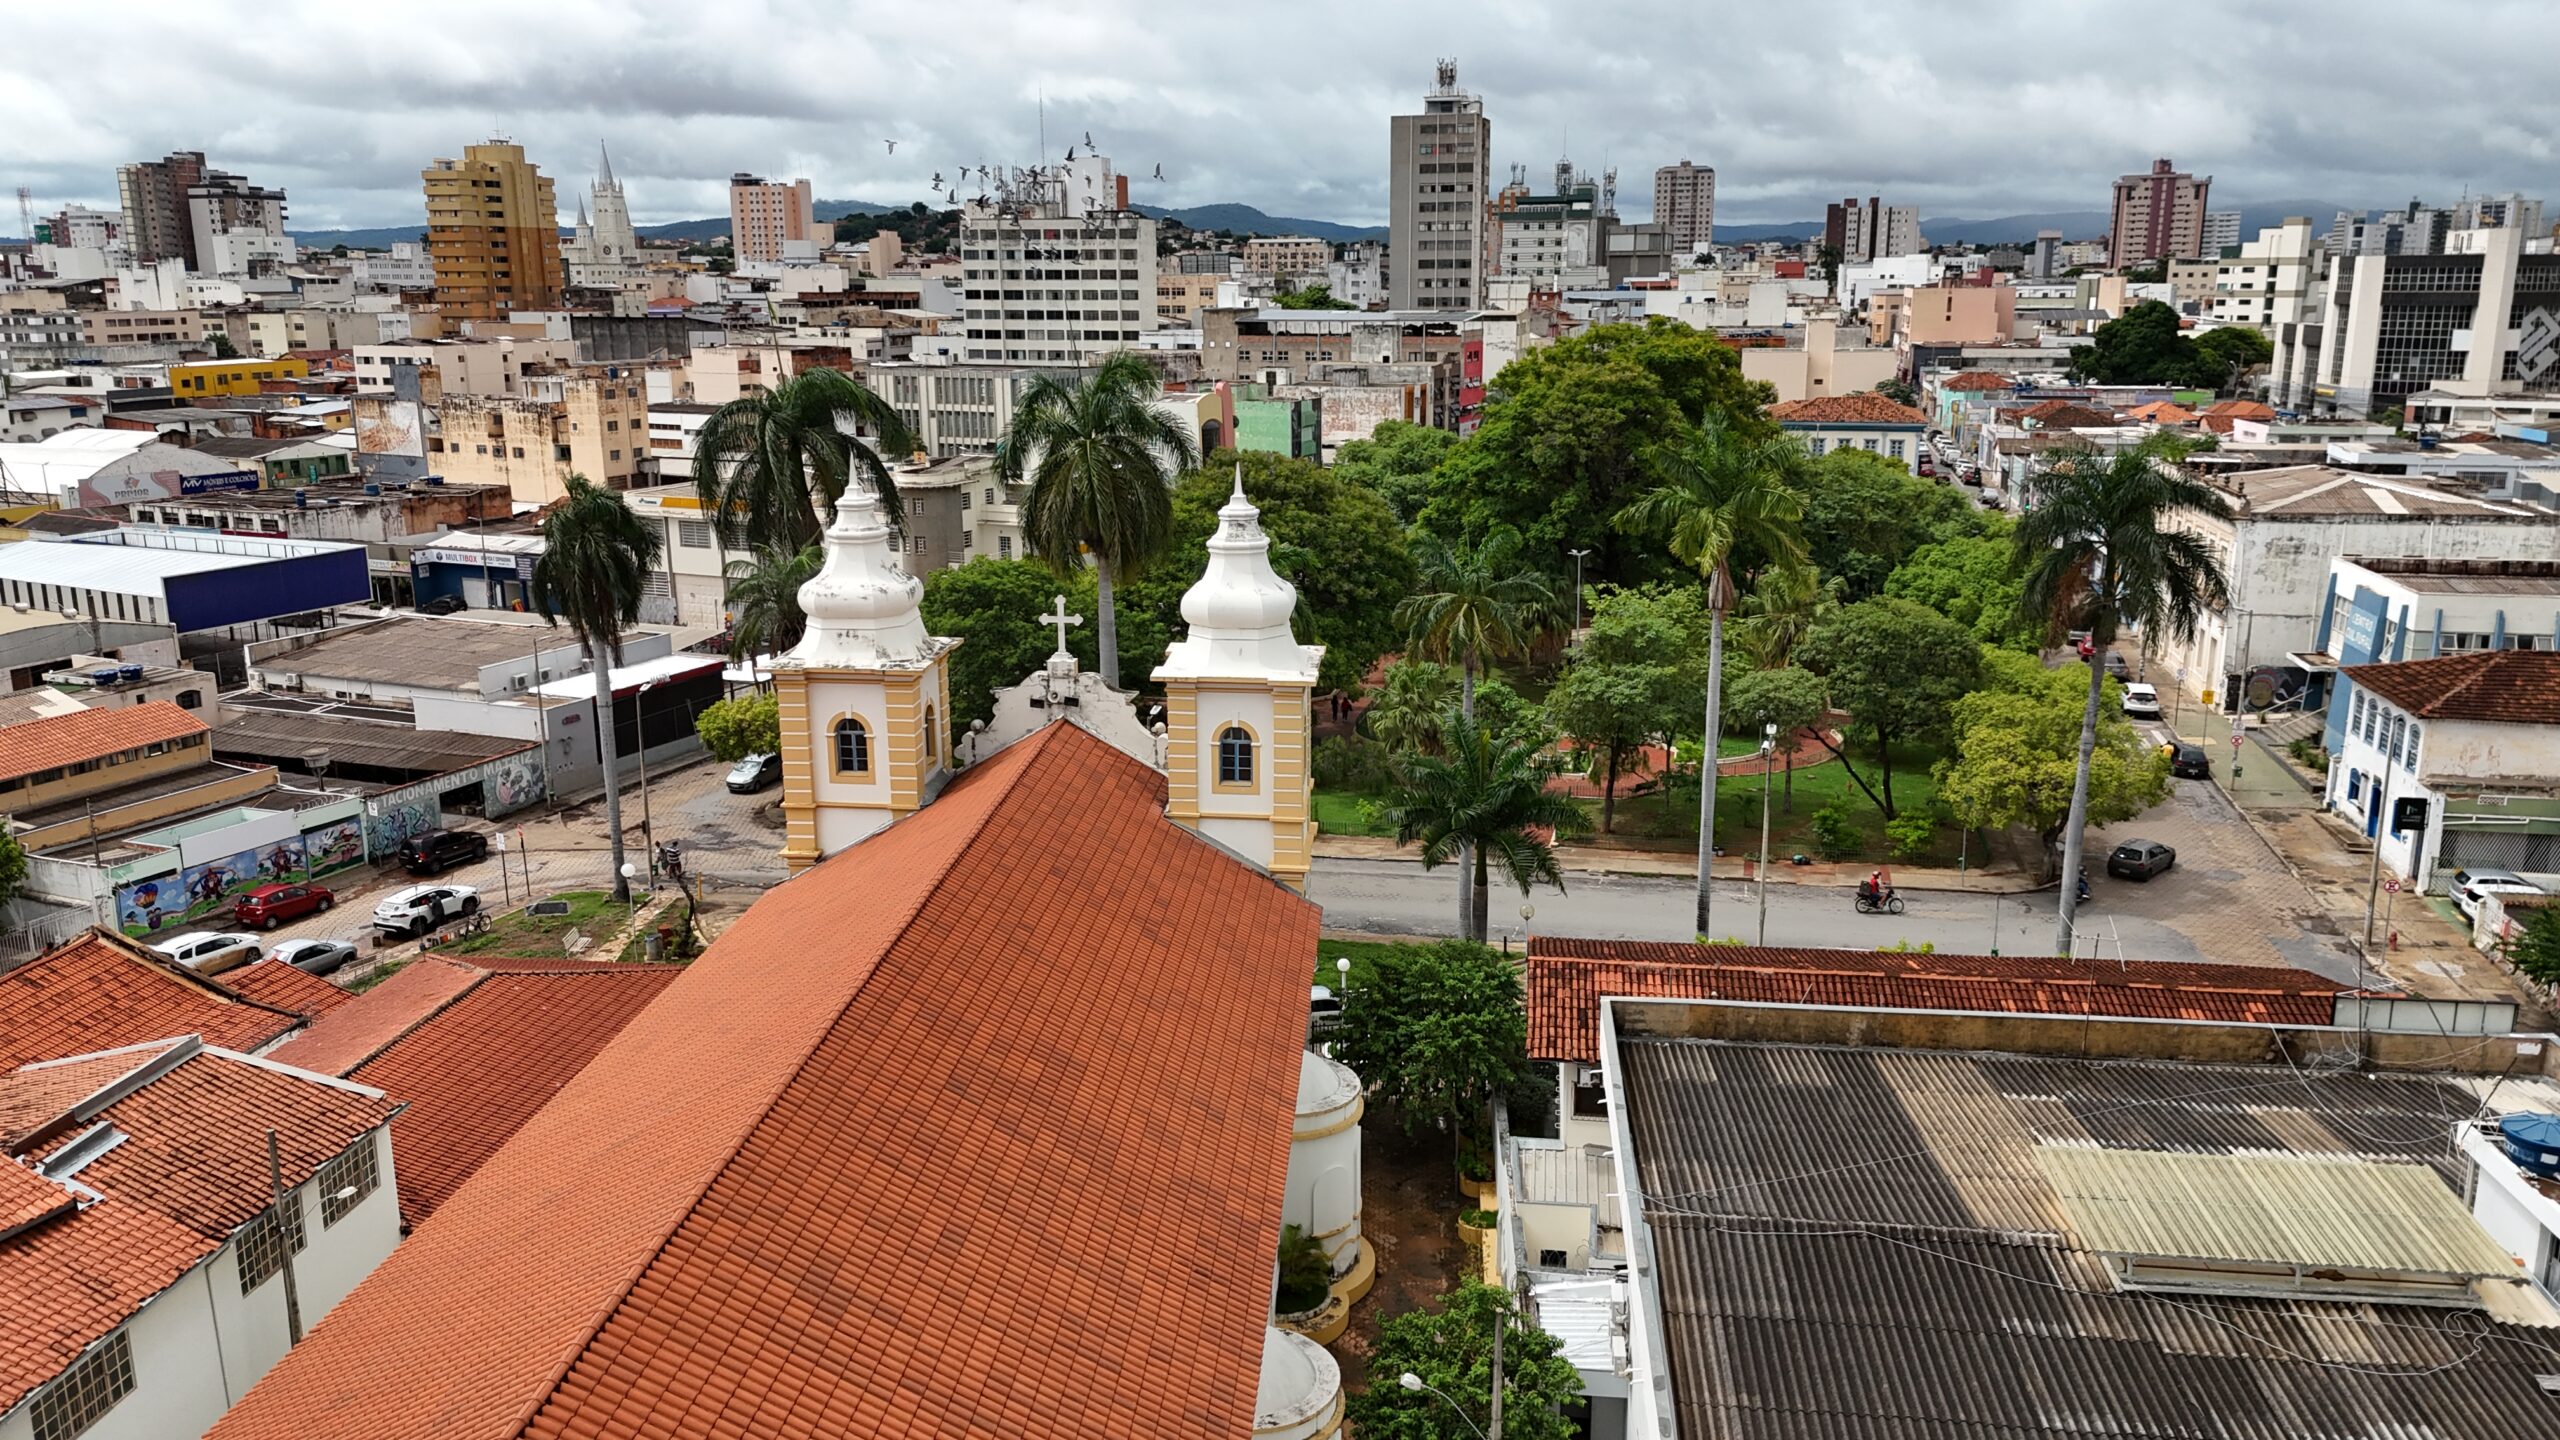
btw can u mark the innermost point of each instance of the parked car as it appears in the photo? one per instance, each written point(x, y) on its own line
point(2140, 859)
point(421, 908)
point(1324, 1012)
point(2469, 885)
point(442, 605)
point(755, 772)
point(2188, 762)
point(2117, 665)
point(269, 906)
point(210, 952)
point(432, 852)
point(316, 957)
point(2141, 702)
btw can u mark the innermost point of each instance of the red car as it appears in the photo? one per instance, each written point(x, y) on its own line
point(269, 906)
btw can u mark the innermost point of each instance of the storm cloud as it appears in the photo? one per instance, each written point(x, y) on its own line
point(1963, 110)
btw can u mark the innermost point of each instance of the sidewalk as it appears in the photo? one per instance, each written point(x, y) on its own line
point(1681, 862)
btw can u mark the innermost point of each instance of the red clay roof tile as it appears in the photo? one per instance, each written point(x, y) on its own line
point(99, 992)
point(1863, 408)
point(1568, 977)
point(68, 739)
point(977, 1128)
point(348, 1036)
point(76, 1277)
point(273, 982)
point(26, 1197)
point(1977, 381)
point(2512, 687)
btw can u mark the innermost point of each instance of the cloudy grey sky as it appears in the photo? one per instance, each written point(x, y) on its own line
point(1966, 110)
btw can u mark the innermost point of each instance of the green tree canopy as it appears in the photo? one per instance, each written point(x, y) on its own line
point(2143, 346)
point(1969, 579)
point(1450, 1347)
point(1398, 461)
point(1481, 801)
point(1630, 681)
point(596, 560)
point(1318, 296)
point(764, 597)
point(747, 725)
point(1404, 711)
point(1436, 1031)
point(2225, 353)
point(1336, 540)
point(995, 606)
point(13, 867)
point(1865, 513)
point(1792, 699)
point(1898, 669)
point(2017, 752)
point(768, 466)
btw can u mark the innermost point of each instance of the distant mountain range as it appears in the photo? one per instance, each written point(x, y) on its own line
point(1247, 220)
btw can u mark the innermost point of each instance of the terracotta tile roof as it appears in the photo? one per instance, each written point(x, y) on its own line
point(26, 1197)
point(2219, 415)
point(2510, 687)
point(190, 1170)
point(1863, 408)
point(1978, 381)
point(67, 739)
point(100, 991)
point(33, 1097)
point(2064, 415)
point(2163, 412)
point(273, 982)
point(1567, 978)
point(474, 1064)
point(977, 1128)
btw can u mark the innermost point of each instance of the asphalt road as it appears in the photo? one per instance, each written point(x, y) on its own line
point(1391, 897)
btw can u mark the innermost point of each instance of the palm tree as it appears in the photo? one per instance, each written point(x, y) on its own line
point(770, 466)
point(1783, 606)
point(595, 565)
point(1477, 802)
point(1101, 458)
point(1721, 489)
point(1474, 604)
point(764, 598)
point(1404, 714)
point(2098, 555)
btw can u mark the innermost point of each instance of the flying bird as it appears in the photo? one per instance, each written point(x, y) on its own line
point(892, 144)
point(937, 180)
point(1088, 140)
point(1159, 172)
point(1071, 153)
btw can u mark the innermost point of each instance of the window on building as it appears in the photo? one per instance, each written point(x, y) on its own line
point(1897, 449)
point(2413, 747)
point(267, 1237)
point(1004, 547)
point(853, 747)
point(932, 731)
point(82, 1395)
point(2355, 784)
point(1235, 756)
point(1819, 444)
point(694, 534)
point(345, 1181)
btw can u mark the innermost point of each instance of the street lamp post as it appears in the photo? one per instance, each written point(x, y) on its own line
point(629, 871)
point(1577, 586)
point(1417, 1385)
point(1768, 748)
point(640, 729)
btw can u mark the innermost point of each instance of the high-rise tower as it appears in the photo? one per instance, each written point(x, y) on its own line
point(493, 231)
point(1439, 184)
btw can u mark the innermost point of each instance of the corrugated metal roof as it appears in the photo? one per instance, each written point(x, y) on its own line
point(2269, 1210)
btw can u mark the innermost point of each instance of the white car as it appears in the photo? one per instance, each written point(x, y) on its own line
point(2141, 702)
point(2469, 885)
point(315, 957)
point(421, 908)
point(209, 952)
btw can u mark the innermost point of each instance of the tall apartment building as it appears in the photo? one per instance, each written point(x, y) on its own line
point(2159, 215)
point(603, 250)
point(1871, 230)
point(763, 214)
point(1684, 205)
point(1439, 183)
point(2272, 282)
point(2482, 318)
point(1286, 257)
point(2499, 212)
point(493, 234)
point(235, 227)
point(1559, 239)
point(154, 196)
point(590, 421)
point(2221, 231)
point(1057, 269)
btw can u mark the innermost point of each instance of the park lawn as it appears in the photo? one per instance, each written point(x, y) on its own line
point(1338, 813)
point(527, 937)
point(1818, 782)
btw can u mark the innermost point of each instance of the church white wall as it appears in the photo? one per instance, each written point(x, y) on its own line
point(839, 828)
point(1254, 709)
point(829, 701)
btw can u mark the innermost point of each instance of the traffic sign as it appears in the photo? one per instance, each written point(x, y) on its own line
point(2392, 884)
point(2235, 739)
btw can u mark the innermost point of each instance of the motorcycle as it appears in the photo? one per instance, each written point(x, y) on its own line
point(1873, 903)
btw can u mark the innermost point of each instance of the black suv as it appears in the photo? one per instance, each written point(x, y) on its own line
point(436, 851)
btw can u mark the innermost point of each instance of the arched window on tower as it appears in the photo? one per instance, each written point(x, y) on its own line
point(1235, 757)
point(853, 747)
point(932, 736)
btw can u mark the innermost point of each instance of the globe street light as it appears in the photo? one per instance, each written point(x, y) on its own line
point(1577, 585)
point(628, 871)
point(1768, 747)
point(1417, 1385)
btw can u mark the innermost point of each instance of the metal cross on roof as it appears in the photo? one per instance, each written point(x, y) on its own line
point(1060, 618)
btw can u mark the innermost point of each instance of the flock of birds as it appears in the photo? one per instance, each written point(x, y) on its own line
point(1007, 182)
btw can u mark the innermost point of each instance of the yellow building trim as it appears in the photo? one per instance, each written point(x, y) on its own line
point(1359, 1107)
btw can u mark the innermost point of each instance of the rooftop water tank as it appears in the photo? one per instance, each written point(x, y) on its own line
point(372, 489)
point(2533, 1142)
point(129, 674)
point(106, 676)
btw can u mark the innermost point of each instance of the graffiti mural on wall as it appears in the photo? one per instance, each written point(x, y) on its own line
point(200, 889)
point(391, 824)
point(513, 782)
point(330, 848)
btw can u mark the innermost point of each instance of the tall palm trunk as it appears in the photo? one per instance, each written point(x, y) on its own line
point(1471, 903)
point(2071, 837)
point(1107, 625)
point(597, 661)
point(1719, 593)
point(1480, 898)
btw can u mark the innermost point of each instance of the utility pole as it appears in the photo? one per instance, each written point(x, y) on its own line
point(284, 1241)
point(1493, 1417)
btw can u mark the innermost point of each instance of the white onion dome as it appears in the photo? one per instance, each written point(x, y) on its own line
point(1239, 610)
point(862, 606)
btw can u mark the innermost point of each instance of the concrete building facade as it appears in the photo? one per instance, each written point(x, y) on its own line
point(1058, 271)
point(2158, 215)
point(493, 234)
point(553, 426)
point(765, 215)
point(154, 195)
point(1871, 230)
point(2482, 318)
point(1684, 205)
point(1439, 182)
point(1286, 257)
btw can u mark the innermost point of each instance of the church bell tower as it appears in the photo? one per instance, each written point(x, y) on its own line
point(1238, 688)
point(865, 697)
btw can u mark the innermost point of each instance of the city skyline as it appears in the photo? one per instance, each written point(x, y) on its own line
point(1825, 108)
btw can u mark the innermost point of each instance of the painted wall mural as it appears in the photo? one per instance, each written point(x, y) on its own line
point(173, 900)
point(513, 782)
point(389, 824)
point(328, 849)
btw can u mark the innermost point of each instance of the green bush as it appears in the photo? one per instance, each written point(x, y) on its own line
point(1354, 763)
point(2308, 753)
point(1306, 1276)
point(1478, 1219)
point(2535, 950)
point(1910, 835)
point(1835, 831)
point(735, 729)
